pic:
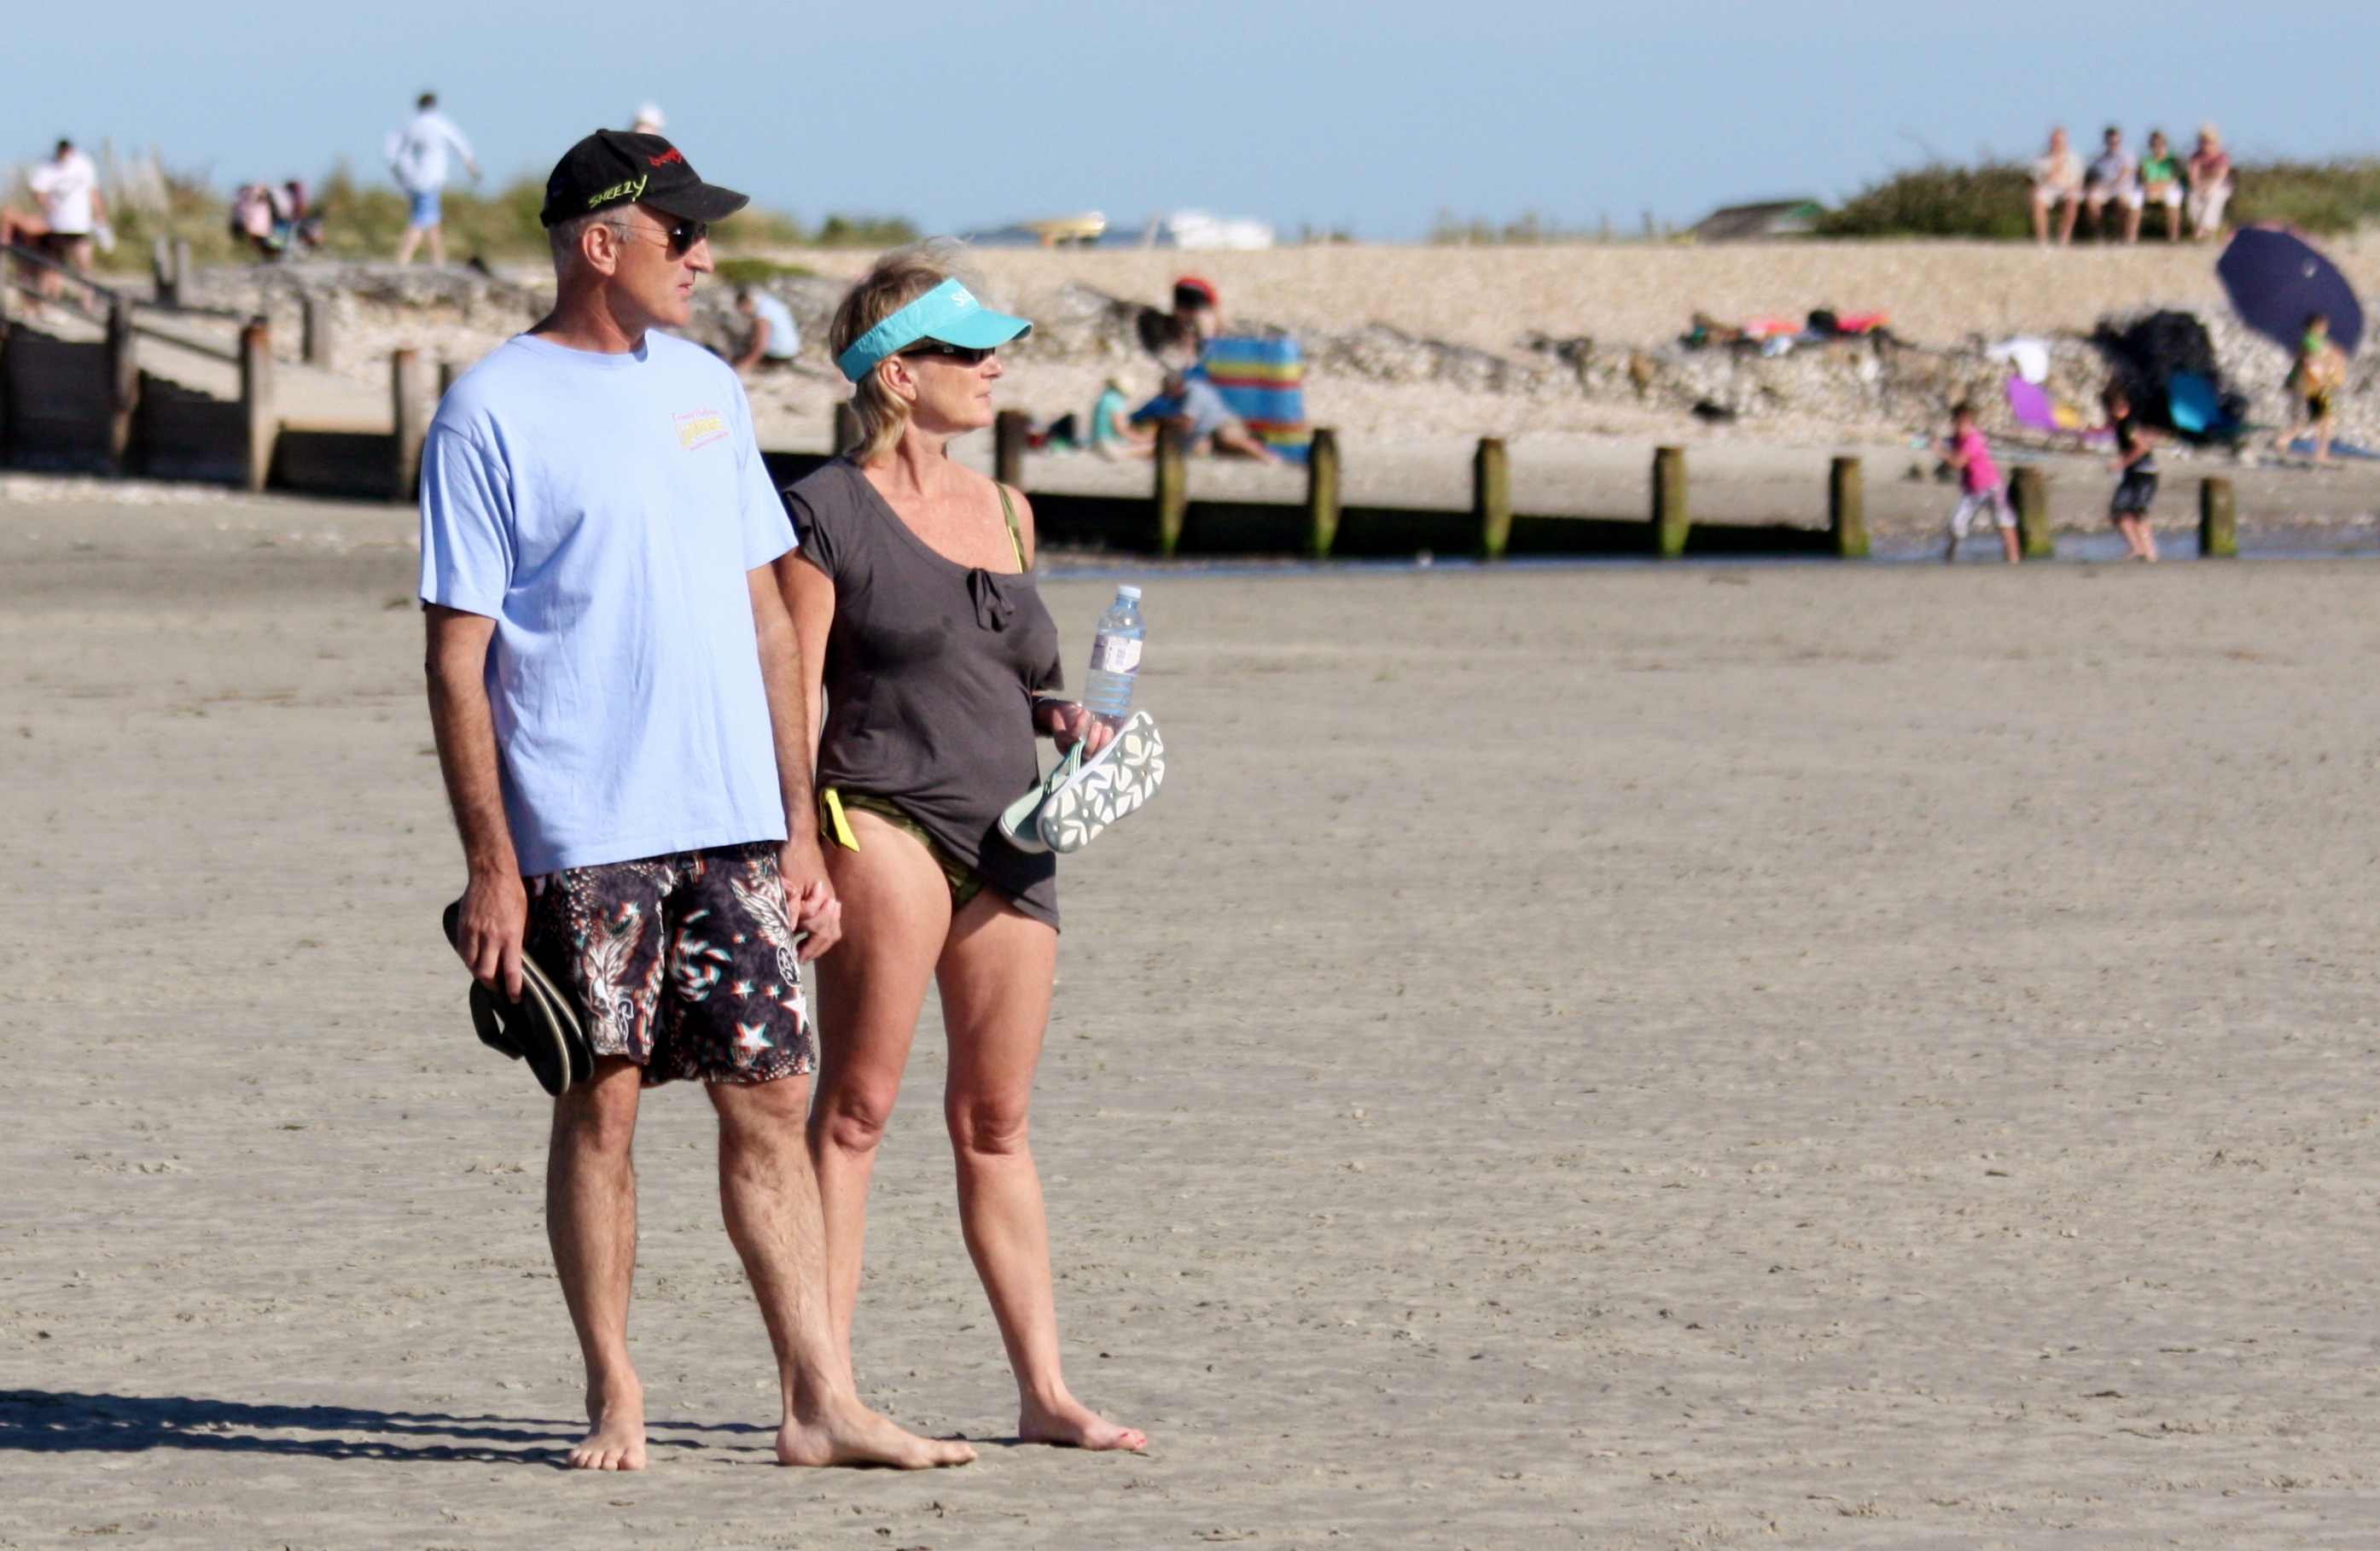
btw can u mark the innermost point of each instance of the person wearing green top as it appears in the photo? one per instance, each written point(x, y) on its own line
point(2161, 184)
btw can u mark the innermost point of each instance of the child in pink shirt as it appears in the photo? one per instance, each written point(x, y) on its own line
point(1979, 482)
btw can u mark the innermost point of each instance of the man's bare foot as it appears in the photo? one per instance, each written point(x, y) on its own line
point(850, 1434)
point(617, 1442)
point(1071, 1424)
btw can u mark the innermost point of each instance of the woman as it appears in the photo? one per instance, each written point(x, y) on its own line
point(2210, 184)
point(913, 598)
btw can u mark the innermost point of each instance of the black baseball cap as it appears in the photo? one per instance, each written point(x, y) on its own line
point(614, 167)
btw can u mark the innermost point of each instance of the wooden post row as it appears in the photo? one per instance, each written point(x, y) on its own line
point(1172, 491)
point(161, 268)
point(1847, 509)
point(315, 309)
point(409, 420)
point(2029, 490)
point(1008, 442)
point(2219, 520)
point(256, 399)
point(1669, 522)
point(1492, 496)
point(1322, 495)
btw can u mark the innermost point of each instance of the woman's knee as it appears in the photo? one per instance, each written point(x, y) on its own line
point(987, 1126)
point(853, 1115)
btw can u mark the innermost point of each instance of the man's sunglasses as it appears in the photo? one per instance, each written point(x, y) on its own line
point(681, 238)
point(960, 354)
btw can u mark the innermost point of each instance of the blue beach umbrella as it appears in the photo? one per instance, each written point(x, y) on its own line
point(2275, 279)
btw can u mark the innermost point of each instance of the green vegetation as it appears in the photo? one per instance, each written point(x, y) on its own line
point(500, 225)
point(1990, 200)
point(1530, 231)
point(745, 271)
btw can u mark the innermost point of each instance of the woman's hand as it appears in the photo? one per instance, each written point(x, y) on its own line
point(1068, 724)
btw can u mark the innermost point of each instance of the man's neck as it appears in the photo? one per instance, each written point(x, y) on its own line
point(591, 318)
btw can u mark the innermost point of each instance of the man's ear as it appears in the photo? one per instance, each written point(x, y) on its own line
point(599, 245)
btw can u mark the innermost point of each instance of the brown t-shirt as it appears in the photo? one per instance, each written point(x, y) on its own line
point(931, 669)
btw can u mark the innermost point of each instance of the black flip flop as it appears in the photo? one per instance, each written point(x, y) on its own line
point(543, 1027)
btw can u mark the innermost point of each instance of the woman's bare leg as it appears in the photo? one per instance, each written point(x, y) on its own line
point(896, 911)
point(996, 973)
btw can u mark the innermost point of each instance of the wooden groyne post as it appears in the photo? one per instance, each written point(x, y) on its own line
point(123, 380)
point(1008, 442)
point(2029, 492)
point(846, 428)
point(2219, 520)
point(1322, 495)
point(1173, 481)
point(314, 307)
point(167, 278)
point(1492, 496)
point(447, 371)
point(256, 400)
point(409, 418)
point(1847, 509)
point(1669, 502)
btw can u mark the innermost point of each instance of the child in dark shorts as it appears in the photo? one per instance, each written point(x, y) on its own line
point(2136, 475)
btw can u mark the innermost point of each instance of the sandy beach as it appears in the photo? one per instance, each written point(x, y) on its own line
point(1611, 1057)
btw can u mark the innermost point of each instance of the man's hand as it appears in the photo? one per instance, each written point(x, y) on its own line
point(1068, 724)
point(487, 937)
point(809, 895)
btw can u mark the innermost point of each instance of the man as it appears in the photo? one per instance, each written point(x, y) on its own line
point(621, 723)
point(2114, 179)
point(1190, 401)
point(68, 187)
point(416, 156)
point(774, 341)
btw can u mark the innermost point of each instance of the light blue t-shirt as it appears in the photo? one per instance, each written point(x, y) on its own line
point(603, 510)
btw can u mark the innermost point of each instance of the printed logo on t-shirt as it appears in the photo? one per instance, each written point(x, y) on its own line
point(699, 428)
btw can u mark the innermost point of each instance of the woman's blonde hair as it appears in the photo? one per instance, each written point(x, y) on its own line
point(899, 278)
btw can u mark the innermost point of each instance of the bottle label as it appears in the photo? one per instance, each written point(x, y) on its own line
point(1115, 654)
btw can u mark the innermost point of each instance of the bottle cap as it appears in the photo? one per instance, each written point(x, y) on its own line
point(1132, 593)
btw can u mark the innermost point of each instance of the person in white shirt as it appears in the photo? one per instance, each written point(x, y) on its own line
point(2057, 184)
point(68, 187)
point(2114, 179)
point(774, 341)
point(416, 156)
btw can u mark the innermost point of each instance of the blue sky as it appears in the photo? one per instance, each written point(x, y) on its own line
point(1373, 116)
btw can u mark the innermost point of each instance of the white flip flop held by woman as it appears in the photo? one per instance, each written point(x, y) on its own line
point(1120, 778)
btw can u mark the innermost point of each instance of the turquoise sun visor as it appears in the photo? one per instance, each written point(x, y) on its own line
point(949, 313)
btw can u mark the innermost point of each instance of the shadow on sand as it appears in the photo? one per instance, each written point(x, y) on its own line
point(46, 1422)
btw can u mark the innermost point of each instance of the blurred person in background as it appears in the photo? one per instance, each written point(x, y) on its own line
point(72, 212)
point(2161, 177)
point(2135, 468)
point(417, 157)
point(774, 340)
point(2210, 184)
point(2114, 179)
point(2057, 184)
point(2314, 381)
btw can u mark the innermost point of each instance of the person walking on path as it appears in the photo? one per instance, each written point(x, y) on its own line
point(2136, 475)
point(66, 186)
point(416, 156)
point(921, 749)
point(621, 723)
point(2057, 184)
point(2210, 184)
point(2314, 381)
point(1979, 481)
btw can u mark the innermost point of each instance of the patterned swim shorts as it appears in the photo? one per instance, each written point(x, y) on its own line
point(684, 964)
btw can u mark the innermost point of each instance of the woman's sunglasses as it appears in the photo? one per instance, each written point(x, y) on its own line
point(960, 354)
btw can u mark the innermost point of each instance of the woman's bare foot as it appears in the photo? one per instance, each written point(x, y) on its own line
point(617, 1442)
point(849, 1434)
point(1071, 1424)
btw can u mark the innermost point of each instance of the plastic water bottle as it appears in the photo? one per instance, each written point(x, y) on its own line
point(1116, 658)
